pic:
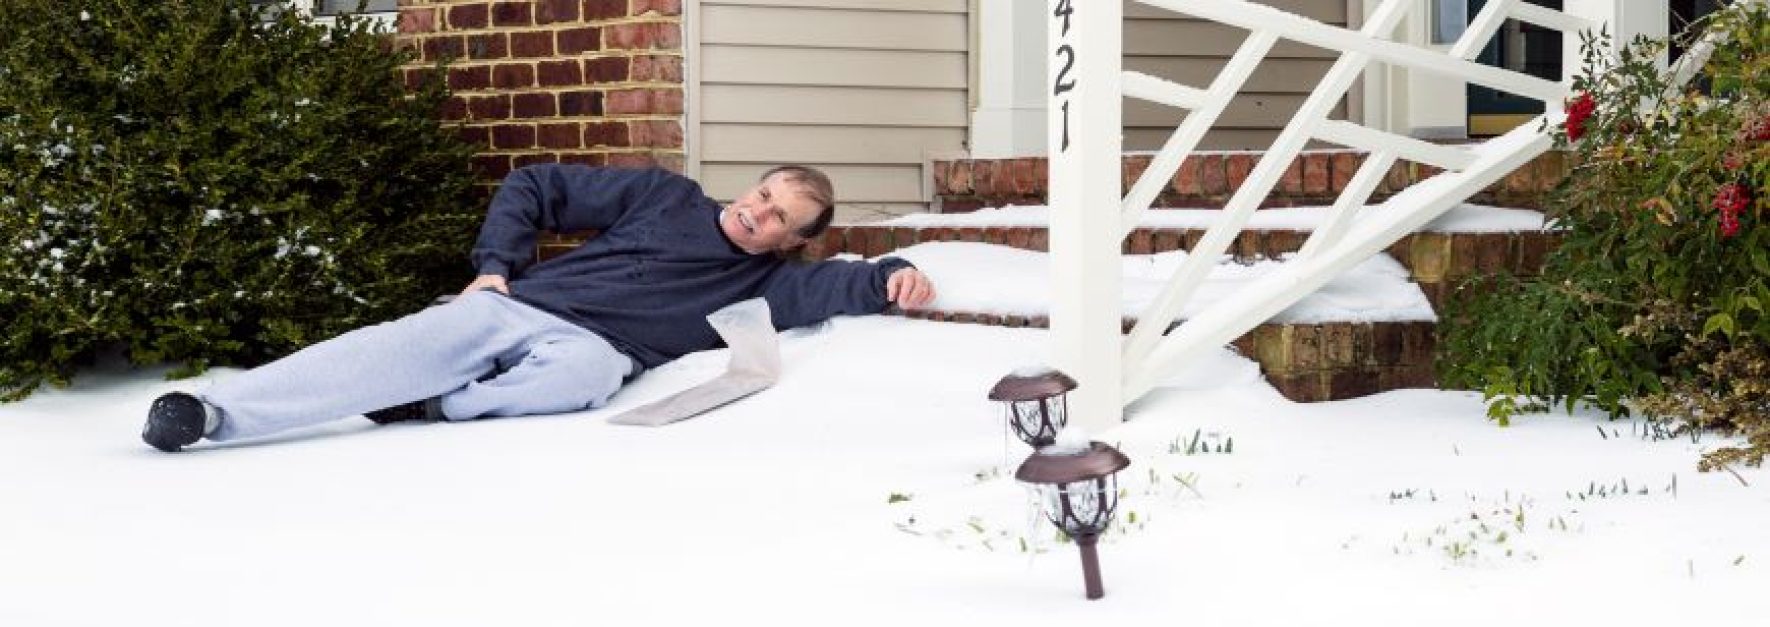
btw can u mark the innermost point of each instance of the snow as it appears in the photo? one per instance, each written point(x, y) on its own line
point(1017, 282)
point(1464, 218)
point(1070, 440)
point(777, 508)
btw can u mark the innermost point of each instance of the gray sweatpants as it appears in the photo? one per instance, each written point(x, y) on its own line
point(484, 354)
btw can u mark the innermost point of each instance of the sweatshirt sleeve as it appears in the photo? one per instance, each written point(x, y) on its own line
point(557, 198)
point(799, 294)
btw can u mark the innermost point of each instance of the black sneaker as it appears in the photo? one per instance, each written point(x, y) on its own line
point(425, 410)
point(174, 421)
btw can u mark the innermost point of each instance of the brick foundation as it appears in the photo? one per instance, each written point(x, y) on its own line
point(1305, 362)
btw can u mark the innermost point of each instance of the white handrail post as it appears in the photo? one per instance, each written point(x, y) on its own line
point(1083, 138)
point(1623, 20)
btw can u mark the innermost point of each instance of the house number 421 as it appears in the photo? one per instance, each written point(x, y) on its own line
point(1066, 53)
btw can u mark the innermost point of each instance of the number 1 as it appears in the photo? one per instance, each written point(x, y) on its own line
point(1065, 126)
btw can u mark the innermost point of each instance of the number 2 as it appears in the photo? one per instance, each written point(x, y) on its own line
point(1069, 61)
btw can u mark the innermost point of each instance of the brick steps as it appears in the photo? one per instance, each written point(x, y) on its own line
point(1305, 362)
point(1209, 178)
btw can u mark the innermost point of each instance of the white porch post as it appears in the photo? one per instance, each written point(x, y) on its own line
point(1010, 116)
point(1622, 19)
point(1084, 143)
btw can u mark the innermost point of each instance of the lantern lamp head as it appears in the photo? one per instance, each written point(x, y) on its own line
point(1036, 402)
point(1078, 490)
point(1080, 487)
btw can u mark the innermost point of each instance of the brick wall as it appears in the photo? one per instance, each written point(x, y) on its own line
point(596, 82)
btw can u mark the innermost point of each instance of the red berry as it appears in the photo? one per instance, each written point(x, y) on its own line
point(1731, 199)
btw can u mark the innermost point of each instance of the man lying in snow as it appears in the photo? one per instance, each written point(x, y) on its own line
point(561, 335)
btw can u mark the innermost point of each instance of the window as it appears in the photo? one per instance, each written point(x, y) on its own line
point(1449, 19)
point(382, 11)
point(339, 7)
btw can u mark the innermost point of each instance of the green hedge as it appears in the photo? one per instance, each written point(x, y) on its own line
point(200, 182)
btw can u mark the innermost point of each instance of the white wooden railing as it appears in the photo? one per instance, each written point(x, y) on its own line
point(1088, 86)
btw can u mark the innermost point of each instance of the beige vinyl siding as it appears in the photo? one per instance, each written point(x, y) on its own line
point(822, 106)
point(885, 145)
point(864, 89)
point(1191, 52)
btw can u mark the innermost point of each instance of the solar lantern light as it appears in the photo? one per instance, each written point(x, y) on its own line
point(1036, 401)
point(1077, 488)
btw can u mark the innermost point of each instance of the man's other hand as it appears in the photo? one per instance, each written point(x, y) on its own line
point(487, 280)
point(909, 288)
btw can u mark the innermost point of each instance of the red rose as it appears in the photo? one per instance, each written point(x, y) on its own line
point(1577, 113)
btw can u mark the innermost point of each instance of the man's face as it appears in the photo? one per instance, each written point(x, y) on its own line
point(768, 217)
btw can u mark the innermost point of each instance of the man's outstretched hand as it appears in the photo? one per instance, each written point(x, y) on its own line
point(909, 288)
point(487, 280)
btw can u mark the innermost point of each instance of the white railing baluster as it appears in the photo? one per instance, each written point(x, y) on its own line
point(1363, 137)
point(1358, 191)
point(1694, 58)
point(1162, 91)
point(1186, 137)
point(1482, 28)
point(1550, 18)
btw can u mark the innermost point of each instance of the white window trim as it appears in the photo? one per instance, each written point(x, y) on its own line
point(693, 146)
point(385, 19)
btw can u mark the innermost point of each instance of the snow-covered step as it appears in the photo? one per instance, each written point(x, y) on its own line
point(1467, 241)
point(989, 278)
point(1367, 331)
point(1465, 218)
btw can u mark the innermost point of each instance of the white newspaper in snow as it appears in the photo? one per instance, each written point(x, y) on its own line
point(755, 366)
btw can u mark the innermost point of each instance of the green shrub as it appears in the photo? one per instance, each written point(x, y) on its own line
point(1656, 301)
point(198, 182)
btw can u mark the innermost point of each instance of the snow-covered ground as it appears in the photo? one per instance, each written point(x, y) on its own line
point(1405, 508)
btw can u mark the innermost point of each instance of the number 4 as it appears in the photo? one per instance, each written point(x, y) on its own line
point(1063, 11)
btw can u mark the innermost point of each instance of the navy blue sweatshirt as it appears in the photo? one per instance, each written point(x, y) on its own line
point(661, 264)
